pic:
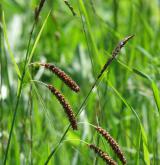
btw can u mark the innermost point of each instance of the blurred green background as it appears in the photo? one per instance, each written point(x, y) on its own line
point(80, 45)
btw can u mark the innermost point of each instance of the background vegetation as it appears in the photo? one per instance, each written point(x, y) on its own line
point(80, 45)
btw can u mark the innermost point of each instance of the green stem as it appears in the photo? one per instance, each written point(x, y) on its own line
point(79, 111)
point(31, 127)
point(115, 52)
point(19, 94)
point(1, 56)
point(115, 14)
point(40, 82)
point(76, 140)
point(55, 149)
point(1, 76)
point(22, 79)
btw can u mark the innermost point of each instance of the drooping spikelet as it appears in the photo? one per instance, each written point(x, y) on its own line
point(112, 143)
point(63, 76)
point(67, 108)
point(121, 45)
point(115, 52)
point(103, 155)
point(38, 9)
point(70, 7)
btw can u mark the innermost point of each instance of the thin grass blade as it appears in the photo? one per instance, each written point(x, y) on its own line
point(144, 135)
point(8, 46)
point(156, 95)
point(38, 37)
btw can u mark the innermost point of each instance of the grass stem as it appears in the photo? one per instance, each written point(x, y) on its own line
point(19, 94)
point(109, 61)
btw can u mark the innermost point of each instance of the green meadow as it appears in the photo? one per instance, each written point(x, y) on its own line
point(78, 37)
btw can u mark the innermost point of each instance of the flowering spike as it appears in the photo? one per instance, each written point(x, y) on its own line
point(67, 108)
point(63, 76)
point(112, 143)
point(103, 155)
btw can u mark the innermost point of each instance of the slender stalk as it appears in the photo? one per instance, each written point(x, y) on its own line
point(55, 149)
point(64, 134)
point(30, 119)
point(40, 98)
point(23, 75)
point(1, 82)
point(31, 127)
point(115, 14)
point(87, 124)
point(115, 52)
point(19, 94)
point(70, 7)
point(89, 51)
point(1, 57)
point(40, 82)
point(76, 140)
point(99, 118)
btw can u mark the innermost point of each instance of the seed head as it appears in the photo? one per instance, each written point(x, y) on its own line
point(115, 52)
point(103, 155)
point(67, 108)
point(121, 45)
point(112, 143)
point(63, 76)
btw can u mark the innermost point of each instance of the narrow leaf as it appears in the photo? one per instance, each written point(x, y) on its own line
point(141, 73)
point(38, 37)
point(156, 95)
point(145, 148)
point(8, 46)
point(144, 136)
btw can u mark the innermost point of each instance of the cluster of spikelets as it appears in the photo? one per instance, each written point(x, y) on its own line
point(70, 83)
point(114, 145)
point(68, 110)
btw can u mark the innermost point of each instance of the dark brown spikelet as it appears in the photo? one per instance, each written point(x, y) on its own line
point(121, 45)
point(38, 9)
point(115, 52)
point(67, 108)
point(112, 143)
point(70, 7)
point(103, 155)
point(63, 76)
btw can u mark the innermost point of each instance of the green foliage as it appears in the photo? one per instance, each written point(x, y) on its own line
point(126, 101)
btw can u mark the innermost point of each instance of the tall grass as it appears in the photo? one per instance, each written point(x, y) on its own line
point(78, 37)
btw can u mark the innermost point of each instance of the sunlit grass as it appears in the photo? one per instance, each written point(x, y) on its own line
point(126, 100)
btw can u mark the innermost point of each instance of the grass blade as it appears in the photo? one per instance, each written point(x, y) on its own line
point(38, 37)
point(141, 73)
point(156, 95)
point(144, 136)
point(153, 84)
point(145, 146)
point(8, 46)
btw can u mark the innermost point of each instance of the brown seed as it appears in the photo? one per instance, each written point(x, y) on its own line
point(67, 108)
point(103, 155)
point(112, 143)
point(63, 76)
